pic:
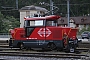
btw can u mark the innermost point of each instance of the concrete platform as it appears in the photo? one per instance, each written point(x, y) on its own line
point(4, 39)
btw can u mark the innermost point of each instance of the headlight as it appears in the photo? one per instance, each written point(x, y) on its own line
point(71, 41)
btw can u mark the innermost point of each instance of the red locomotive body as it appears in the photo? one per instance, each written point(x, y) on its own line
point(38, 33)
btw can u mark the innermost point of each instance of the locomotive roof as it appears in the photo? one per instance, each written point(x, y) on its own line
point(51, 17)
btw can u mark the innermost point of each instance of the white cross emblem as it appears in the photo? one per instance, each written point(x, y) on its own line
point(42, 32)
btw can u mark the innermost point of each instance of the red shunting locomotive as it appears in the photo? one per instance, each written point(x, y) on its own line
point(43, 32)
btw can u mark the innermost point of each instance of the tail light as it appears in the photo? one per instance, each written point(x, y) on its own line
point(73, 37)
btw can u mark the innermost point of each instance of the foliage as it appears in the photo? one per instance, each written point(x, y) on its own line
point(84, 29)
point(1, 20)
point(77, 7)
point(8, 22)
point(10, 14)
point(79, 32)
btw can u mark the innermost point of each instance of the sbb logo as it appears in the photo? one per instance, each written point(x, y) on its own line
point(42, 32)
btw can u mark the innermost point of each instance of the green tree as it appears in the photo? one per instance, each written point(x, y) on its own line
point(1, 21)
point(8, 22)
point(77, 7)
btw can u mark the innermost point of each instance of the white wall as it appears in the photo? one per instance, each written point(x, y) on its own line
point(72, 25)
point(81, 27)
point(22, 15)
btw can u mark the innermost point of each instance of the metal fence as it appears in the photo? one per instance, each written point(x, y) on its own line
point(5, 35)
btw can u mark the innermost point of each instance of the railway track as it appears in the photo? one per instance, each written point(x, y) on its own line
point(84, 45)
point(6, 51)
point(43, 54)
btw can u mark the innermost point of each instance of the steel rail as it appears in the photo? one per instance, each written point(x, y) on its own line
point(42, 54)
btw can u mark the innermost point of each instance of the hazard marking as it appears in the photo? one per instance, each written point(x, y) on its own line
point(42, 32)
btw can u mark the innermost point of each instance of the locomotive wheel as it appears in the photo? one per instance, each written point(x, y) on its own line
point(21, 46)
point(52, 46)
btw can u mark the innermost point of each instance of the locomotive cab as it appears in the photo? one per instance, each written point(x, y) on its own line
point(30, 24)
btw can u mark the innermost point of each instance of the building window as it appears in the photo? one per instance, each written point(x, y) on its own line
point(27, 13)
point(71, 20)
point(31, 15)
point(84, 25)
point(62, 20)
point(77, 25)
point(38, 12)
point(82, 20)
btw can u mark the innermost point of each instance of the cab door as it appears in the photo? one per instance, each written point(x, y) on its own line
point(35, 35)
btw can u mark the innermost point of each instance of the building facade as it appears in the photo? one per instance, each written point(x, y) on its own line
point(75, 22)
point(30, 11)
